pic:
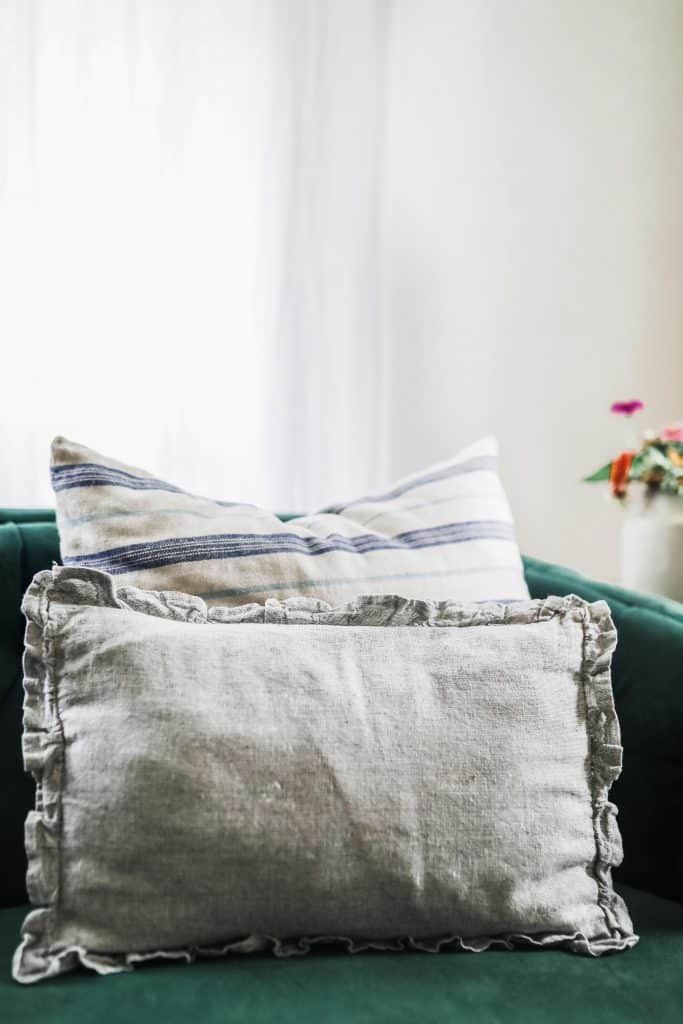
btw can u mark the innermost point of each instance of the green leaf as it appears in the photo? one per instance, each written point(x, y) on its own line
point(647, 460)
point(599, 475)
point(670, 485)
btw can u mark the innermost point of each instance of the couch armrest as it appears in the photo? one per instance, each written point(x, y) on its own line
point(648, 691)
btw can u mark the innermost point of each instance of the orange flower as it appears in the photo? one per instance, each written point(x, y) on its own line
point(675, 457)
point(618, 473)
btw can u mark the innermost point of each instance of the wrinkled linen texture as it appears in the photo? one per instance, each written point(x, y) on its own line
point(444, 533)
point(386, 773)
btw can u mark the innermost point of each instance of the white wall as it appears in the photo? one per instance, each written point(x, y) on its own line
point(284, 251)
point(534, 238)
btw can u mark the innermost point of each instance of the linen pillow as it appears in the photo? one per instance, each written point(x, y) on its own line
point(270, 776)
point(445, 533)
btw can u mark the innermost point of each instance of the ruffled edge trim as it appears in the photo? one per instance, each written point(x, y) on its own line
point(43, 748)
point(43, 751)
point(75, 585)
point(606, 761)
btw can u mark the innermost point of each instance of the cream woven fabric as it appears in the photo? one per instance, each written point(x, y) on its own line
point(444, 533)
point(390, 772)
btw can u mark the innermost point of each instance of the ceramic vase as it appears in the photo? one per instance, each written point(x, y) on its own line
point(652, 545)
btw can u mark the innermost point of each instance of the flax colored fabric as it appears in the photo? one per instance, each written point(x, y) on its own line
point(389, 773)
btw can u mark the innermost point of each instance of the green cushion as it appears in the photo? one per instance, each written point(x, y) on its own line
point(648, 683)
point(645, 984)
point(25, 548)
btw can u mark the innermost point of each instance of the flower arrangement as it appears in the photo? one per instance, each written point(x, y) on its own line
point(658, 463)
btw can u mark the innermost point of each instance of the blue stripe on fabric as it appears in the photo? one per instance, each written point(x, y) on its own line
point(154, 554)
point(146, 512)
point(91, 474)
point(385, 513)
point(473, 465)
point(356, 580)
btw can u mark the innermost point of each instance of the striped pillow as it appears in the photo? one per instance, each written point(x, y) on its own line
point(444, 533)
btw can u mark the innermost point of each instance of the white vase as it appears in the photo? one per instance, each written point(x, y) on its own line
point(652, 545)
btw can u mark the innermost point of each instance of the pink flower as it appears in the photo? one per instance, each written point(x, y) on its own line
point(626, 408)
point(674, 432)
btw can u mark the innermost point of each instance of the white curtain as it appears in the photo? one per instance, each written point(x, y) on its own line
point(190, 243)
point(215, 213)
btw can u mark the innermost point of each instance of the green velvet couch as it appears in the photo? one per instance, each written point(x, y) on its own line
point(645, 984)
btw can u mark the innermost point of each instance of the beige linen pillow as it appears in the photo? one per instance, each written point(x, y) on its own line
point(446, 532)
point(388, 773)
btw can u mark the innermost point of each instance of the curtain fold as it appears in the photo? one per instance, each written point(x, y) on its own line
point(190, 244)
point(330, 380)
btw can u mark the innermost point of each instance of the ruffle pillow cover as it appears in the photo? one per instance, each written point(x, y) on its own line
point(444, 533)
point(390, 773)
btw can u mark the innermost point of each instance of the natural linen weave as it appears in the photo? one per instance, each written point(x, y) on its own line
point(388, 773)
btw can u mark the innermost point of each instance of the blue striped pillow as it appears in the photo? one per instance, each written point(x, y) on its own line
point(446, 533)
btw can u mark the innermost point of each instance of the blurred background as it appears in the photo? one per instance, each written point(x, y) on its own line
point(285, 251)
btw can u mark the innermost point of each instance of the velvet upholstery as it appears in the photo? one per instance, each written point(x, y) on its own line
point(644, 984)
point(647, 673)
point(330, 987)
